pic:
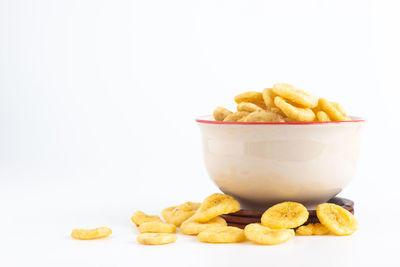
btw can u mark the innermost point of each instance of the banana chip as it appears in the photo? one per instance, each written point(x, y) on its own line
point(268, 96)
point(252, 97)
point(265, 236)
point(140, 217)
point(236, 116)
point(225, 234)
point(221, 113)
point(178, 214)
point(157, 227)
point(264, 116)
point(293, 112)
point(156, 238)
point(191, 227)
point(215, 205)
point(249, 107)
point(337, 219)
point(312, 229)
point(322, 116)
point(334, 110)
point(295, 95)
point(285, 215)
point(87, 234)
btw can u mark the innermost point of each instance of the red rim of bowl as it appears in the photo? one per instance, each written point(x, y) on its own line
point(276, 123)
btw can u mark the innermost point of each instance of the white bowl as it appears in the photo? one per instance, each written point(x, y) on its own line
point(262, 164)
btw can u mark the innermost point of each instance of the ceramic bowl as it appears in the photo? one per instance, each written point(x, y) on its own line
point(262, 164)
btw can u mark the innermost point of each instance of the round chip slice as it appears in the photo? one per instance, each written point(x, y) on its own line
point(191, 227)
point(293, 112)
point(157, 227)
point(156, 238)
point(268, 96)
point(322, 116)
point(249, 107)
point(252, 97)
point(285, 215)
point(178, 214)
point(264, 116)
point(215, 205)
point(337, 219)
point(312, 229)
point(140, 217)
point(264, 236)
point(88, 234)
point(236, 116)
point(334, 110)
point(221, 113)
point(295, 95)
point(227, 234)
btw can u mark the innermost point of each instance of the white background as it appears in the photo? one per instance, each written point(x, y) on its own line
point(97, 108)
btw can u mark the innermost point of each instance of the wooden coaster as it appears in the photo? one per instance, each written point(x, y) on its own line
point(243, 217)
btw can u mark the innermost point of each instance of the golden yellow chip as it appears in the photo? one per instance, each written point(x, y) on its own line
point(140, 217)
point(221, 113)
point(236, 116)
point(293, 112)
point(268, 96)
point(339, 107)
point(87, 234)
point(265, 236)
point(337, 219)
point(252, 97)
point(225, 234)
point(312, 229)
point(249, 107)
point(215, 205)
point(178, 214)
point(334, 110)
point(264, 116)
point(190, 227)
point(322, 116)
point(157, 227)
point(295, 95)
point(156, 238)
point(285, 215)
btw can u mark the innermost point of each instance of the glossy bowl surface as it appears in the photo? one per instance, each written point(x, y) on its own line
point(262, 164)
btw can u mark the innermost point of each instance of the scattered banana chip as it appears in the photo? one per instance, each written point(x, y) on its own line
point(252, 97)
point(322, 116)
point(265, 236)
point(157, 227)
point(312, 229)
point(337, 219)
point(264, 116)
point(285, 215)
point(215, 205)
point(236, 116)
point(249, 107)
point(293, 112)
point(87, 234)
point(178, 214)
point(227, 234)
point(334, 110)
point(191, 227)
point(156, 238)
point(295, 95)
point(140, 217)
point(221, 113)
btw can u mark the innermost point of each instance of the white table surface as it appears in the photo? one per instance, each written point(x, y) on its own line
point(37, 215)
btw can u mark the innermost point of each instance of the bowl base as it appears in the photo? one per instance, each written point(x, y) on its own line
point(245, 216)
